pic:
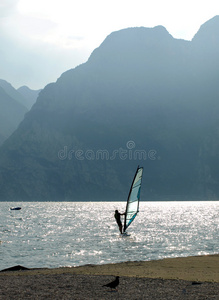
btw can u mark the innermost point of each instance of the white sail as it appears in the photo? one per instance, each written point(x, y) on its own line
point(133, 198)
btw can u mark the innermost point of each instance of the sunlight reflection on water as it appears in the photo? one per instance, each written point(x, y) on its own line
point(69, 234)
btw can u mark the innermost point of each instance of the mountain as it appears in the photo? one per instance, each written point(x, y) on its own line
point(29, 95)
point(23, 95)
point(2, 138)
point(143, 97)
point(208, 32)
point(12, 92)
point(11, 114)
point(13, 106)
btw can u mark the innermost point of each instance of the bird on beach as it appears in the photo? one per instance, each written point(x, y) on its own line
point(113, 284)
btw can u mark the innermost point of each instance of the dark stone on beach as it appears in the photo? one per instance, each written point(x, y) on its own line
point(196, 282)
point(15, 268)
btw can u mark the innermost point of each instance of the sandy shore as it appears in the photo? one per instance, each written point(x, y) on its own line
point(173, 278)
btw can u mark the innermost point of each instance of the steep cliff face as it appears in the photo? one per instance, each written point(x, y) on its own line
point(139, 99)
point(206, 77)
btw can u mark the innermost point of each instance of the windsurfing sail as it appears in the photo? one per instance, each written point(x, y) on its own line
point(133, 198)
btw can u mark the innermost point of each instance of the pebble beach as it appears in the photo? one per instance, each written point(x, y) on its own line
point(171, 278)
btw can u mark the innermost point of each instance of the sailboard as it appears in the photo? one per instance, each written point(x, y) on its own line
point(132, 205)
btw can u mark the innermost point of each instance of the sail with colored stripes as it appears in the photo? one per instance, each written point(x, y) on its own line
point(132, 205)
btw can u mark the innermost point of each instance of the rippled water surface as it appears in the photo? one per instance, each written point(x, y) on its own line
point(54, 234)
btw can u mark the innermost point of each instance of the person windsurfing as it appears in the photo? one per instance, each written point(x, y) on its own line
point(117, 216)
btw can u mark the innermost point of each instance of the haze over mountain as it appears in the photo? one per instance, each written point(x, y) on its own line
point(11, 114)
point(13, 106)
point(29, 95)
point(144, 98)
point(24, 95)
point(12, 92)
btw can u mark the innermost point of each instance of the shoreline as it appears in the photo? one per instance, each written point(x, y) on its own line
point(193, 277)
point(203, 268)
point(118, 200)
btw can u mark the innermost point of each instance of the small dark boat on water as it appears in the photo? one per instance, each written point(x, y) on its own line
point(15, 208)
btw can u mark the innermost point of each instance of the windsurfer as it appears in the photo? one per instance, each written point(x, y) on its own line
point(117, 216)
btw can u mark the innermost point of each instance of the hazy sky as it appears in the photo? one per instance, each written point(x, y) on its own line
point(40, 39)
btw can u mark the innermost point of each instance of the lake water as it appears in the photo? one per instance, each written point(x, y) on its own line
point(54, 234)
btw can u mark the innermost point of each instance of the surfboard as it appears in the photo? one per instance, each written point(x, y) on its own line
point(124, 234)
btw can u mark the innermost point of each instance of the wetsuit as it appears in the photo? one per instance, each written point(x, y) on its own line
point(117, 217)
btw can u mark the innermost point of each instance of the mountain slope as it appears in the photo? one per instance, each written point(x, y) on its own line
point(11, 114)
point(143, 97)
point(13, 105)
point(12, 92)
point(29, 95)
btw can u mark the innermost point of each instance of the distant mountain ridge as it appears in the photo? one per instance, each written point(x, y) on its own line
point(29, 95)
point(12, 92)
point(143, 97)
point(13, 106)
point(11, 114)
